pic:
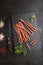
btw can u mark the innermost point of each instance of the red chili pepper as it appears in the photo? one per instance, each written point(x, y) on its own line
point(3, 50)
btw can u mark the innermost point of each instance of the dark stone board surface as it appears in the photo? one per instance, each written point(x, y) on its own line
point(15, 19)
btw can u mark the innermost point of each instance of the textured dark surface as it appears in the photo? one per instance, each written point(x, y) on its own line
point(16, 7)
point(13, 7)
point(34, 58)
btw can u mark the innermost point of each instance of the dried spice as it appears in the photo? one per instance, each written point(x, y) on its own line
point(1, 37)
point(1, 24)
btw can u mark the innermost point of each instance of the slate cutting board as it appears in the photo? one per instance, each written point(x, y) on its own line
point(15, 19)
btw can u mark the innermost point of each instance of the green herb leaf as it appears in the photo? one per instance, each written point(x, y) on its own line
point(32, 17)
point(19, 49)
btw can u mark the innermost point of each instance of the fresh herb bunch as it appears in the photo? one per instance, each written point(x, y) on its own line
point(32, 17)
point(19, 49)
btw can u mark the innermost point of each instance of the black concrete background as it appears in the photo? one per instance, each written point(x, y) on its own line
point(16, 7)
point(13, 7)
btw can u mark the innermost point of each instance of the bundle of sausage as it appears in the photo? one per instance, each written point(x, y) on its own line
point(24, 30)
